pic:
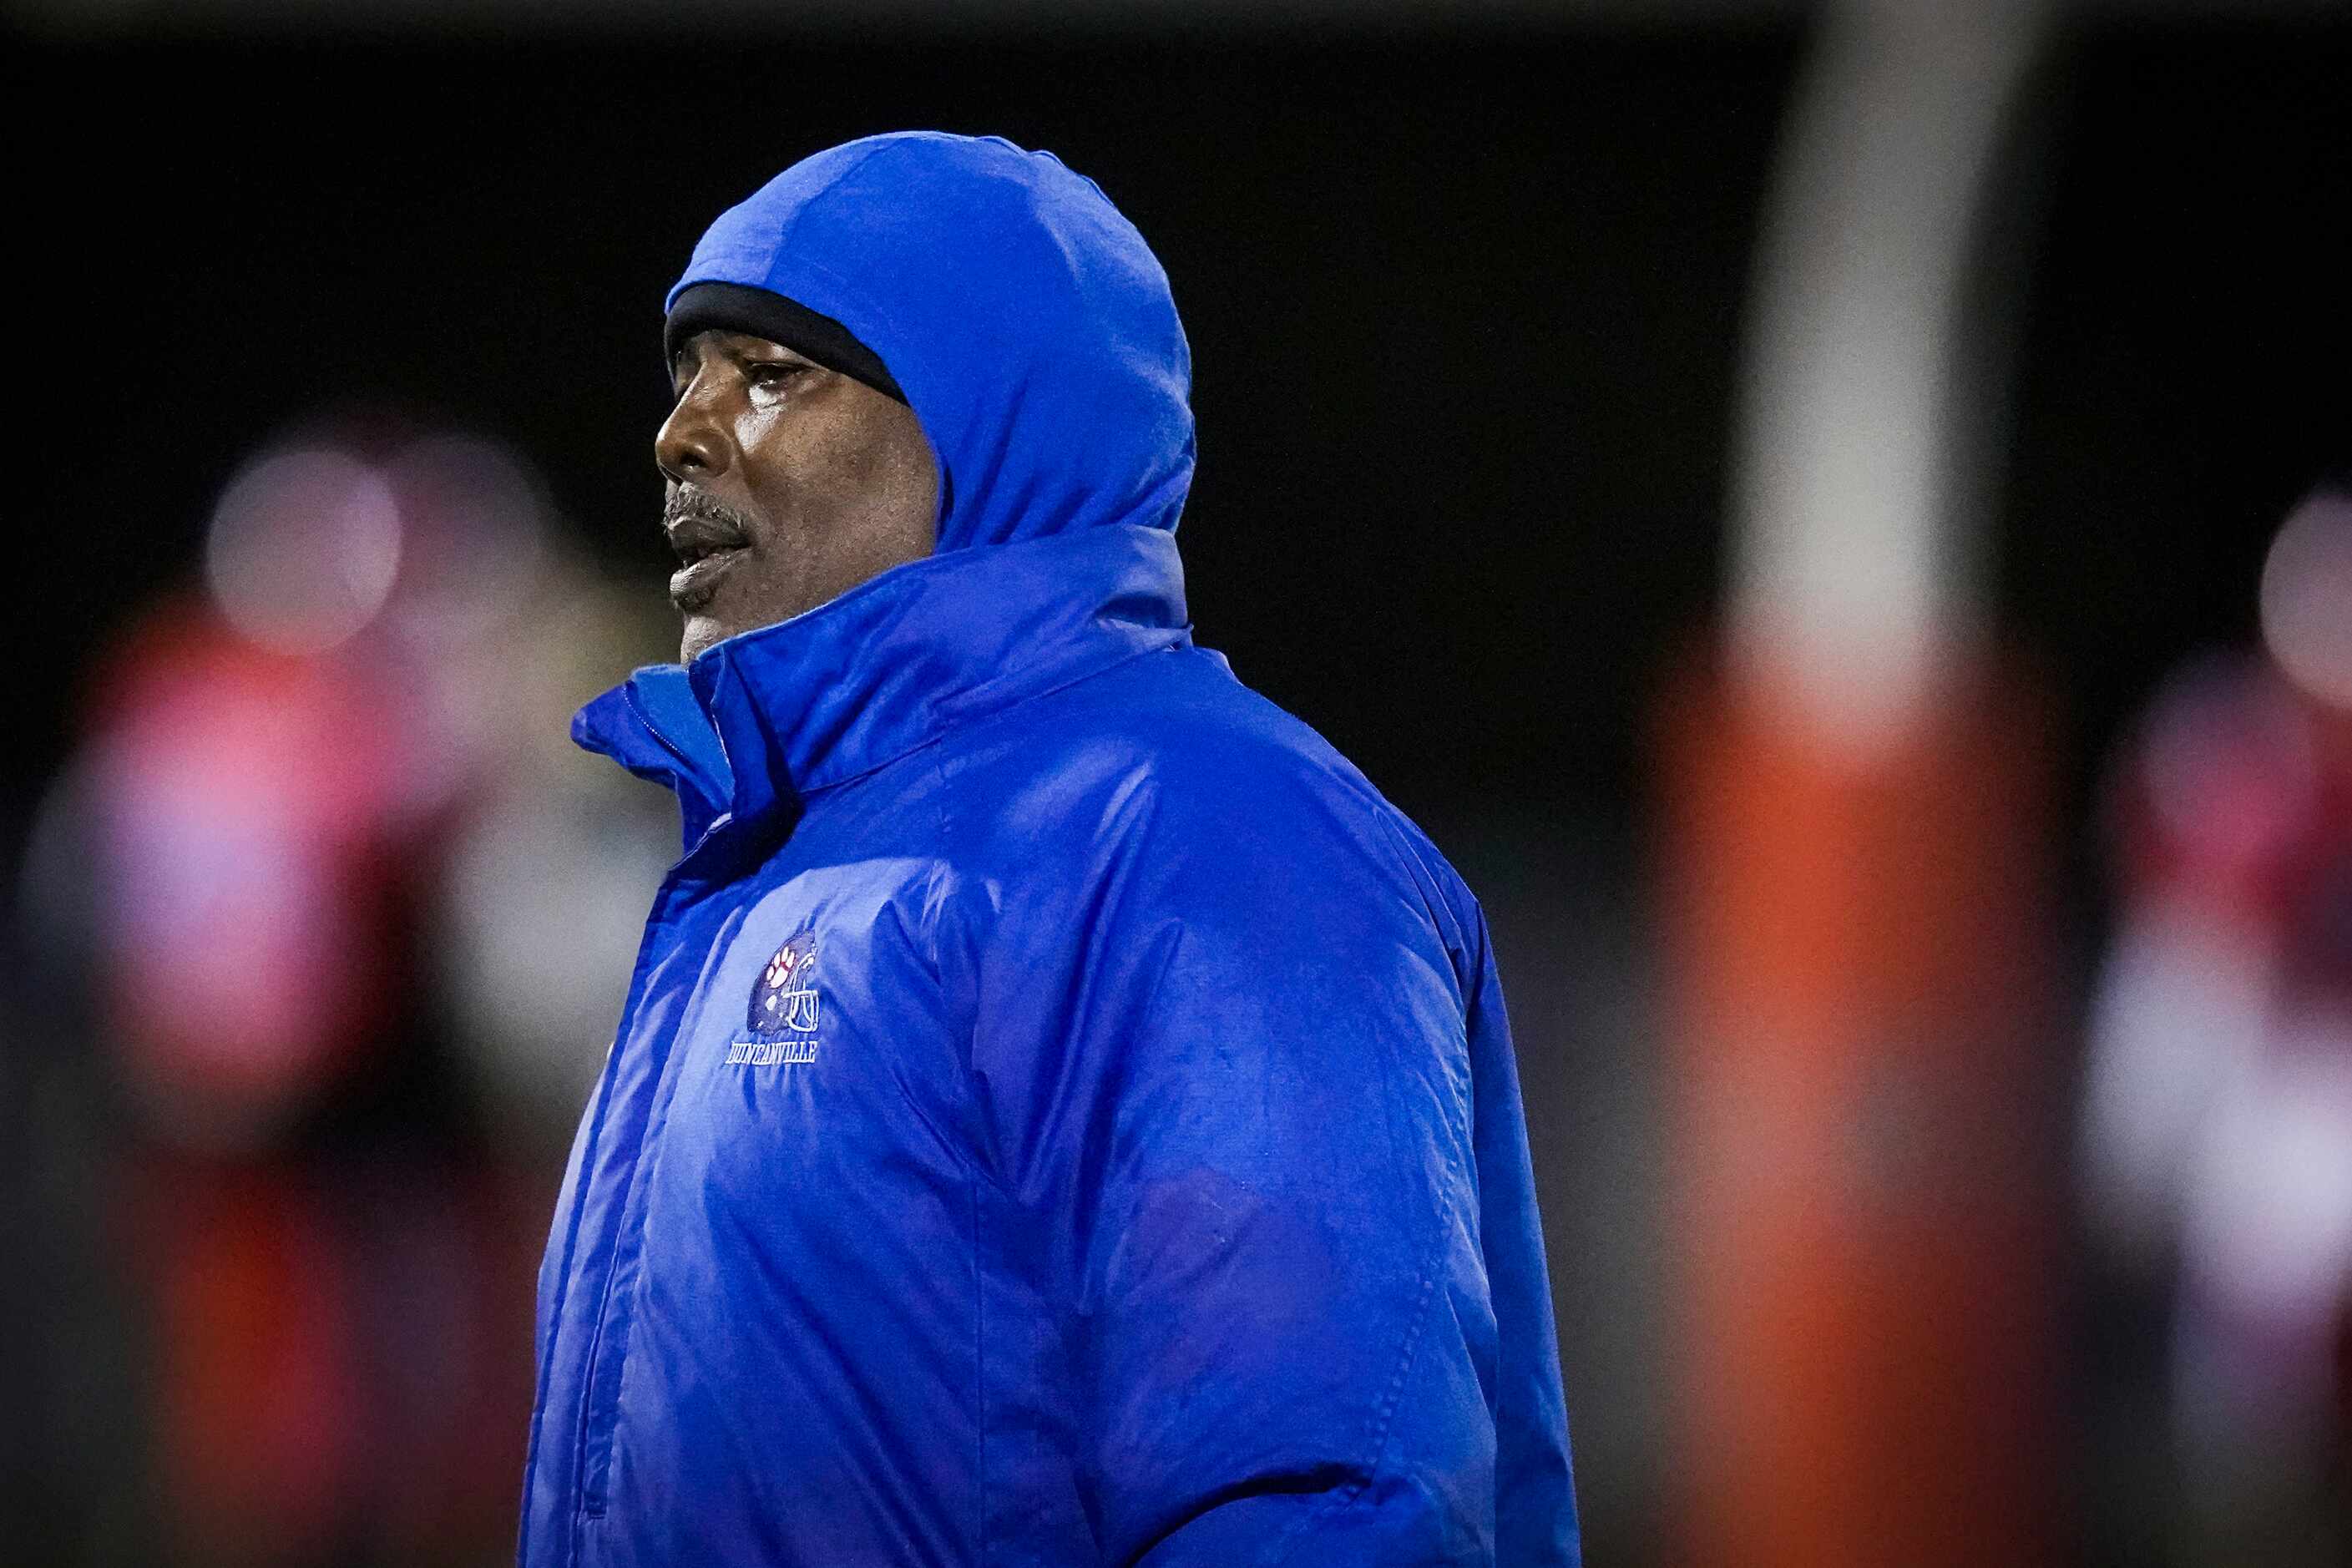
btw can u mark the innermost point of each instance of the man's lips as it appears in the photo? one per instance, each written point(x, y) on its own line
point(692, 587)
point(708, 546)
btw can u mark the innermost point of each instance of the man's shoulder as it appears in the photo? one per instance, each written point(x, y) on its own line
point(1172, 752)
point(1176, 725)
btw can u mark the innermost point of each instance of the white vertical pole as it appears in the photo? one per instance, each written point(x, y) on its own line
point(1857, 556)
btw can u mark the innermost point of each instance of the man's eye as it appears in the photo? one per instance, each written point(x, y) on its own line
point(771, 374)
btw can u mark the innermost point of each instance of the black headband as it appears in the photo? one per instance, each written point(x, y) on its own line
point(732, 308)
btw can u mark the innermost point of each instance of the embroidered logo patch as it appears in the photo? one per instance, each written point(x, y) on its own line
point(781, 1019)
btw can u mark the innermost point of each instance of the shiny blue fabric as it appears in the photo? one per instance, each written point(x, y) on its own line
point(1028, 324)
point(1139, 1176)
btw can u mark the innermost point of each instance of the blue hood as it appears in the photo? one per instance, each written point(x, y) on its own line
point(1033, 332)
point(1030, 326)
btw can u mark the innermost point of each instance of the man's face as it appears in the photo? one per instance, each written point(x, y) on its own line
point(789, 484)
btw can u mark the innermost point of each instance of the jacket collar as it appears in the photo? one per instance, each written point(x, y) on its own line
point(765, 719)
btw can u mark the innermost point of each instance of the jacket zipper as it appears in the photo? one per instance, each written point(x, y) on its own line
point(599, 1413)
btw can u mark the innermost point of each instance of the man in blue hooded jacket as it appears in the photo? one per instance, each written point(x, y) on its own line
point(1061, 1113)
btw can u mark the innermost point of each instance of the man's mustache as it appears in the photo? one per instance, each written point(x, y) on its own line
point(682, 504)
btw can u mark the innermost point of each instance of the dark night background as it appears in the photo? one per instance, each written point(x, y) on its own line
point(1465, 312)
point(1465, 308)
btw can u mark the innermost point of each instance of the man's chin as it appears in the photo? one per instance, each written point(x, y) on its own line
point(700, 632)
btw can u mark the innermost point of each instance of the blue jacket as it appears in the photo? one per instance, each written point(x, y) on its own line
point(1061, 1113)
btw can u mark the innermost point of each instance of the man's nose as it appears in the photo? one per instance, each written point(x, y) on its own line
point(691, 444)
